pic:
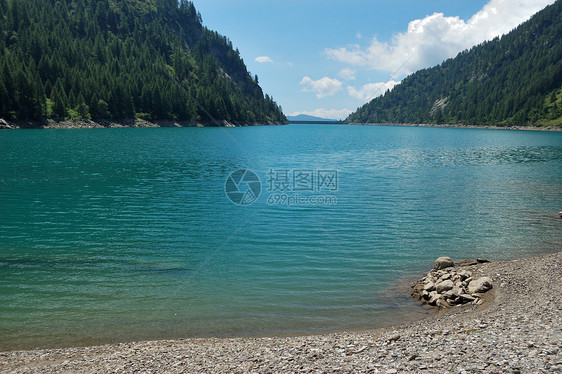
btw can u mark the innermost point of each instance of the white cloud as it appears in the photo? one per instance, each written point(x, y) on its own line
point(326, 113)
point(347, 74)
point(371, 90)
point(431, 40)
point(323, 87)
point(263, 59)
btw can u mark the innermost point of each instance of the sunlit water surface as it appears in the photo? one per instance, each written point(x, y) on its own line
point(125, 234)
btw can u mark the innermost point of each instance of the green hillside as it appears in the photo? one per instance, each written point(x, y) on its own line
point(117, 59)
point(512, 80)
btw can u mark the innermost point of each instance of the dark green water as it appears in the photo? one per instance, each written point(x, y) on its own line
point(123, 234)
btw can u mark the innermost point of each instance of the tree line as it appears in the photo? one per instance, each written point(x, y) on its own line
point(117, 59)
point(512, 80)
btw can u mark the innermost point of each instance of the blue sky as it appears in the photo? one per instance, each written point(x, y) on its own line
point(327, 58)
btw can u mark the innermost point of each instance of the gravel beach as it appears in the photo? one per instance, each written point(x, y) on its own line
point(518, 329)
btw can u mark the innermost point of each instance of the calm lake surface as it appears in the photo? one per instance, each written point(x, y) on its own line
point(123, 234)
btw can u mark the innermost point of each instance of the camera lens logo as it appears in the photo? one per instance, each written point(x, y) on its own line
point(242, 187)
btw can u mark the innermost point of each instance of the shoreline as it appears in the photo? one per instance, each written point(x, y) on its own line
point(133, 123)
point(140, 123)
point(461, 126)
point(518, 329)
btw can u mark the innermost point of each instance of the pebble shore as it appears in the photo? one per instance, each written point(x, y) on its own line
point(136, 122)
point(517, 329)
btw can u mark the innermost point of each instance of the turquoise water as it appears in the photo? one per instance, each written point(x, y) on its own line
point(122, 234)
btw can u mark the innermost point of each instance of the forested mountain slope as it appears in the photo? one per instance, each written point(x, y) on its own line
point(512, 80)
point(116, 59)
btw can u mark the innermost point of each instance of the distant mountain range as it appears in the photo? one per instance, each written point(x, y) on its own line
point(307, 118)
point(509, 81)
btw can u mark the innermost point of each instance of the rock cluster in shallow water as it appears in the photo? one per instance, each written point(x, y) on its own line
point(447, 285)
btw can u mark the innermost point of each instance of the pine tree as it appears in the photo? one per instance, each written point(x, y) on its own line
point(58, 96)
point(4, 100)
